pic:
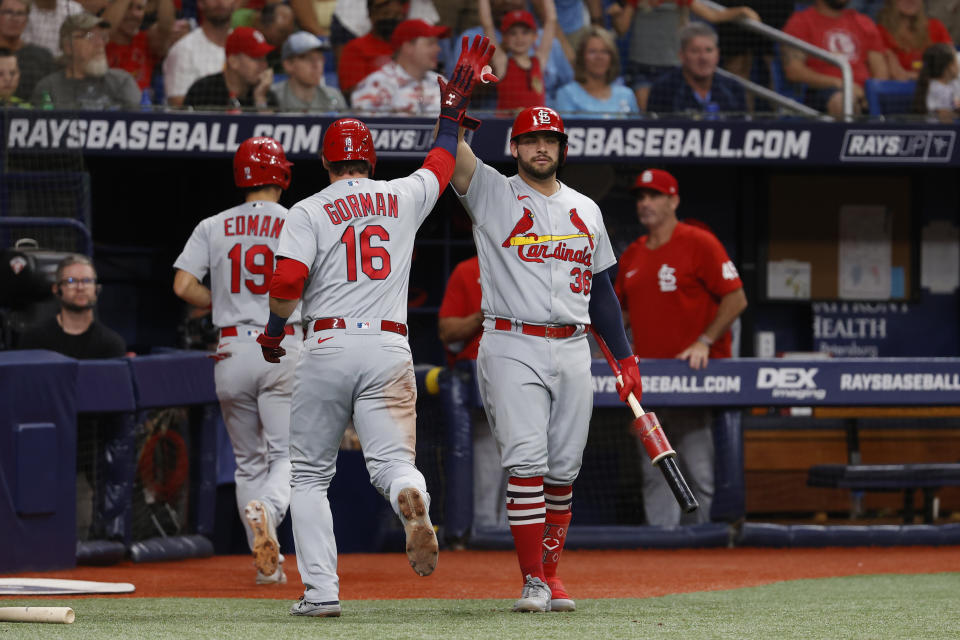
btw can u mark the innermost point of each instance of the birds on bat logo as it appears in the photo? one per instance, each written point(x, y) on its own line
point(522, 230)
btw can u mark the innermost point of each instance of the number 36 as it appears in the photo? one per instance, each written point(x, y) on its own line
point(581, 280)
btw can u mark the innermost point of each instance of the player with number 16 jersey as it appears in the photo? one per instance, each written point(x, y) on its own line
point(346, 252)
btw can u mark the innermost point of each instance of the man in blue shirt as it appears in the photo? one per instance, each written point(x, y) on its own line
point(694, 85)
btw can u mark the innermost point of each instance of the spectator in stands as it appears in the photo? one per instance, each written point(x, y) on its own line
point(365, 54)
point(9, 80)
point(33, 60)
point(200, 52)
point(460, 326)
point(653, 26)
point(556, 74)
point(829, 25)
point(43, 25)
point(245, 80)
point(139, 50)
point(74, 331)
point(86, 81)
point(521, 74)
point(936, 91)
point(314, 16)
point(276, 22)
point(907, 31)
point(351, 19)
point(685, 273)
point(408, 84)
point(947, 12)
point(596, 68)
point(694, 86)
point(304, 90)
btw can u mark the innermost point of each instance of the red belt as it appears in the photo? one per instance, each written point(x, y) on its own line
point(229, 332)
point(340, 323)
point(538, 330)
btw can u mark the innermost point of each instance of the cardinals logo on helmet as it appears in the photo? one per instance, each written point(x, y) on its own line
point(541, 117)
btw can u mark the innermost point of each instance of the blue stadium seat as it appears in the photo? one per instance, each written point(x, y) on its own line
point(888, 97)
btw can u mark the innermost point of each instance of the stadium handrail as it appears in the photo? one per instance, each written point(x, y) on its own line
point(30, 221)
point(846, 72)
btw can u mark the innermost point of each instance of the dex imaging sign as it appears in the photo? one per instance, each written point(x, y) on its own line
point(798, 383)
point(897, 146)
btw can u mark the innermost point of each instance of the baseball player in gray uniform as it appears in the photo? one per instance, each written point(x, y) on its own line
point(346, 251)
point(236, 248)
point(544, 254)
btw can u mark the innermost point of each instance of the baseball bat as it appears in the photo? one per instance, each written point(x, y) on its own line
point(647, 428)
point(62, 615)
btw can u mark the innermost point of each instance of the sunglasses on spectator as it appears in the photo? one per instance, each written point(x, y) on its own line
point(10, 13)
point(78, 282)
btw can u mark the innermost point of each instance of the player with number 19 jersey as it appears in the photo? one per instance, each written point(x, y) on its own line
point(356, 236)
point(237, 248)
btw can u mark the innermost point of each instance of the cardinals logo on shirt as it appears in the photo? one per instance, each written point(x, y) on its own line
point(524, 239)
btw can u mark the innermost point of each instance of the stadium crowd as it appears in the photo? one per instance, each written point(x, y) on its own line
point(384, 56)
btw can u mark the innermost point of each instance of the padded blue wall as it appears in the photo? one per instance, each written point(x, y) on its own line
point(38, 431)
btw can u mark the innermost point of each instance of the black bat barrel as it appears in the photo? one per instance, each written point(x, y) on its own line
point(681, 491)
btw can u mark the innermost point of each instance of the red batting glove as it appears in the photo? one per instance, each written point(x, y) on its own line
point(471, 66)
point(630, 373)
point(272, 351)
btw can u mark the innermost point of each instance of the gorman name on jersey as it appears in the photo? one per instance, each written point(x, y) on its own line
point(361, 205)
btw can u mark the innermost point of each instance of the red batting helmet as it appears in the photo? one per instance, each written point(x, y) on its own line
point(349, 139)
point(534, 119)
point(261, 161)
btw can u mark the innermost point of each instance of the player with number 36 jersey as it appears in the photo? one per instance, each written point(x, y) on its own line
point(237, 248)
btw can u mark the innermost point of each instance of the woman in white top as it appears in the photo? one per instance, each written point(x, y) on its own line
point(936, 92)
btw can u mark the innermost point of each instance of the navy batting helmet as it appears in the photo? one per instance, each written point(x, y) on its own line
point(349, 139)
point(261, 161)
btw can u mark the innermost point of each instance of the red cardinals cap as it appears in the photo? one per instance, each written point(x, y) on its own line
point(658, 180)
point(412, 29)
point(249, 41)
point(517, 17)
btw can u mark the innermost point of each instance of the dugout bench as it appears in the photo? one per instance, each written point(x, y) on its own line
point(890, 477)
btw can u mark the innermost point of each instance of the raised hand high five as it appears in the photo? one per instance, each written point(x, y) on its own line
point(472, 65)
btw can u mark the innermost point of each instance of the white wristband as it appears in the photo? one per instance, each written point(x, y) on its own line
point(705, 339)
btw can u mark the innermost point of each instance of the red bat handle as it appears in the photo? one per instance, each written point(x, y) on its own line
point(647, 428)
point(606, 352)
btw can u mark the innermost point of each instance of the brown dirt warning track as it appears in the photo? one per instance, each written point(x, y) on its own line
point(494, 574)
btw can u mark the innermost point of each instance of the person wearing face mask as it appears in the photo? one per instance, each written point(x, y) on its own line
point(86, 81)
point(830, 25)
point(362, 56)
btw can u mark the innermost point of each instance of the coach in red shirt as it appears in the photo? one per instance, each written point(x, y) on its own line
point(681, 293)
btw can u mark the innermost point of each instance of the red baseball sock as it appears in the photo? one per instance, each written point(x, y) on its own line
point(525, 513)
point(558, 500)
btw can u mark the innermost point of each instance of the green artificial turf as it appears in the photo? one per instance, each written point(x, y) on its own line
point(874, 607)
